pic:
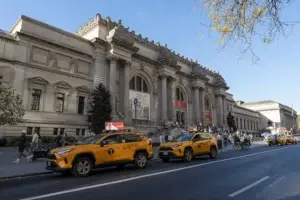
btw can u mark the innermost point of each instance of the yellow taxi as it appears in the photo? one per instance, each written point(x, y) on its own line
point(282, 140)
point(269, 140)
point(291, 139)
point(110, 149)
point(187, 148)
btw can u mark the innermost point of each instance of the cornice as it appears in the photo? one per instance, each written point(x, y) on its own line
point(23, 17)
point(144, 59)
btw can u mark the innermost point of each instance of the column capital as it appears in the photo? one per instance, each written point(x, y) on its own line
point(112, 57)
point(127, 63)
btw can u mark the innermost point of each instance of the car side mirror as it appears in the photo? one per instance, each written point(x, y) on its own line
point(103, 143)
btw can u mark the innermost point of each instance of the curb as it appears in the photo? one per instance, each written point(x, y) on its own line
point(24, 175)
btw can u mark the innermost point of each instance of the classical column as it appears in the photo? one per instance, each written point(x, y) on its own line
point(99, 68)
point(219, 110)
point(173, 100)
point(196, 104)
point(127, 114)
point(112, 84)
point(202, 106)
point(164, 102)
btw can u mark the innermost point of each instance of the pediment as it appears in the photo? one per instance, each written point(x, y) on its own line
point(63, 84)
point(38, 80)
point(83, 89)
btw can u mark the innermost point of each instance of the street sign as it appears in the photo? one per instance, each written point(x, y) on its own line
point(135, 101)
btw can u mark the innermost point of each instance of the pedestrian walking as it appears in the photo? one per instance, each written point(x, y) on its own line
point(58, 141)
point(22, 147)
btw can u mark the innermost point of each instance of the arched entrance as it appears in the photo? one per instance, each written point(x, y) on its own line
point(180, 106)
point(207, 111)
point(139, 95)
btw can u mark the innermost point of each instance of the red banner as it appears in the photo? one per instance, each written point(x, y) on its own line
point(114, 126)
point(180, 104)
point(208, 118)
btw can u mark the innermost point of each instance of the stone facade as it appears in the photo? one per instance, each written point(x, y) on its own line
point(55, 71)
point(280, 115)
point(246, 120)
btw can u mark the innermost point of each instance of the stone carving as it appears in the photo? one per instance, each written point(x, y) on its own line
point(52, 59)
point(142, 67)
point(73, 66)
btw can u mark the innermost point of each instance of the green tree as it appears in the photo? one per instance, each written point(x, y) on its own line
point(242, 20)
point(11, 107)
point(100, 109)
point(231, 122)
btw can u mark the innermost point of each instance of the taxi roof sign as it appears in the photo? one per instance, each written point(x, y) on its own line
point(114, 126)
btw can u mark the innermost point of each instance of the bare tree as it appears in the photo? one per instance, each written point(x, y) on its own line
point(242, 20)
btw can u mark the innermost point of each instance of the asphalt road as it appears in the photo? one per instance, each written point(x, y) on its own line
point(262, 173)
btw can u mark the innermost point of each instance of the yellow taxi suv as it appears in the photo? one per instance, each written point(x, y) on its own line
point(282, 140)
point(111, 149)
point(291, 139)
point(187, 147)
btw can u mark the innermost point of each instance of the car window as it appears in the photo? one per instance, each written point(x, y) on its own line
point(205, 136)
point(114, 139)
point(196, 137)
point(131, 138)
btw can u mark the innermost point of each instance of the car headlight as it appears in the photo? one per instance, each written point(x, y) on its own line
point(176, 145)
point(63, 152)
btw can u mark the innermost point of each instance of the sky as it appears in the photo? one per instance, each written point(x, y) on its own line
point(178, 23)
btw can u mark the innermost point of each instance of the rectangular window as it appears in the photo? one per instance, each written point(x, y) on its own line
point(55, 131)
point(60, 102)
point(36, 98)
point(29, 131)
point(83, 132)
point(81, 105)
point(77, 131)
point(61, 131)
point(37, 130)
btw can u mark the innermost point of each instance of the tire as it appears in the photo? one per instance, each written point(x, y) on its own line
point(213, 153)
point(188, 155)
point(82, 167)
point(165, 159)
point(140, 160)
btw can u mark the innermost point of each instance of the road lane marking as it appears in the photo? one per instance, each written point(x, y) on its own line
point(146, 175)
point(249, 186)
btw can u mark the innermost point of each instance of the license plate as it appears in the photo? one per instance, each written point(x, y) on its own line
point(165, 153)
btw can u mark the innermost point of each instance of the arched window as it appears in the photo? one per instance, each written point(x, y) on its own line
point(207, 103)
point(179, 95)
point(139, 84)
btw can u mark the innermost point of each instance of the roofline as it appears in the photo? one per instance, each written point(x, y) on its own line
point(59, 30)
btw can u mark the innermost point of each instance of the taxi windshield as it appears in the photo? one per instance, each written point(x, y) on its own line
point(93, 139)
point(181, 138)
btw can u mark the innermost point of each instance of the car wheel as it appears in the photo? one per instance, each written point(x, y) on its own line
point(140, 160)
point(165, 159)
point(82, 167)
point(188, 155)
point(213, 153)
